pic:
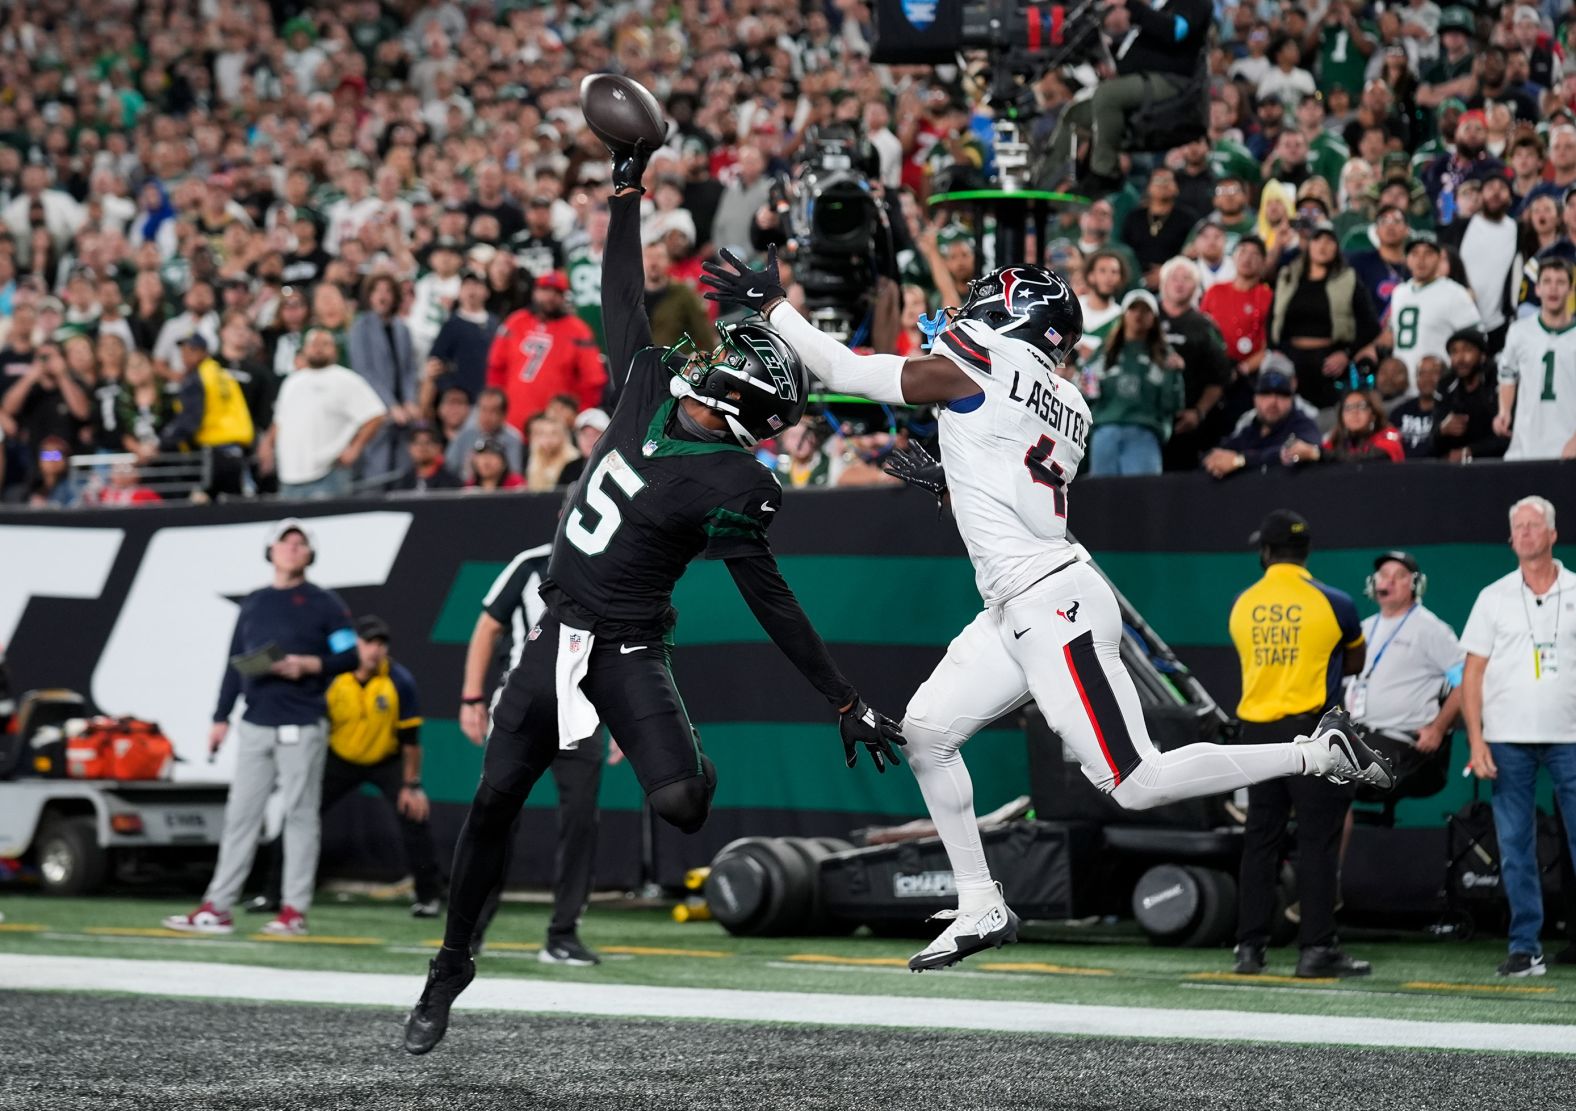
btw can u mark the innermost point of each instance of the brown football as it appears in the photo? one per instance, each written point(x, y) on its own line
point(621, 111)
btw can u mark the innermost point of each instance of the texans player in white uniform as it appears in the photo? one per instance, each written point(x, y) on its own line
point(1012, 436)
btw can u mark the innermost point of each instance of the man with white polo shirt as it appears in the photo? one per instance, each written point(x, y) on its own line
point(1521, 711)
point(1408, 693)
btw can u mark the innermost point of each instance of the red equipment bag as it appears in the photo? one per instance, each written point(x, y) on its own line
point(120, 748)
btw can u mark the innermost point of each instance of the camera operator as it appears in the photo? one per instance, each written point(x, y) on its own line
point(1157, 52)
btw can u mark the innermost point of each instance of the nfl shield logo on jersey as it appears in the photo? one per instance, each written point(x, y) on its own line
point(649, 448)
point(536, 631)
point(575, 642)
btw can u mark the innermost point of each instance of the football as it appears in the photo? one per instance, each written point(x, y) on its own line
point(622, 112)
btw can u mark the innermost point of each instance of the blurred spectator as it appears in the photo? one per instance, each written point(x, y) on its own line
point(125, 487)
point(1232, 205)
point(544, 350)
point(802, 460)
point(1322, 316)
point(325, 416)
point(1206, 371)
point(486, 421)
point(1520, 714)
point(1240, 309)
point(489, 468)
point(426, 470)
point(588, 428)
point(549, 452)
point(48, 400)
point(240, 354)
point(211, 414)
point(537, 251)
point(284, 338)
point(1157, 230)
point(748, 189)
point(143, 407)
point(1416, 418)
point(434, 295)
point(1384, 267)
point(583, 263)
point(1209, 254)
point(674, 307)
point(1096, 232)
point(1464, 429)
point(1139, 390)
point(1275, 422)
point(459, 354)
point(1105, 277)
point(53, 485)
point(382, 352)
point(1362, 434)
point(1487, 243)
point(1391, 381)
point(1428, 308)
point(1537, 374)
point(198, 318)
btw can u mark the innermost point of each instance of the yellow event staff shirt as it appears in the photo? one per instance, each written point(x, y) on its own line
point(365, 719)
point(1290, 631)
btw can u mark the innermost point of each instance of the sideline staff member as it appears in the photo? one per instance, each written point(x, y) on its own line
point(1295, 638)
point(374, 736)
point(283, 733)
point(513, 604)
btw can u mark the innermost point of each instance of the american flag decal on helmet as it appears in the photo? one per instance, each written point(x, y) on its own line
point(1053, 335)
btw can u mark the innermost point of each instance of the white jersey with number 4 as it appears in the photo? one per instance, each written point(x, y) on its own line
point(1423, 318)
point(1542, 363)
point(1010, 453)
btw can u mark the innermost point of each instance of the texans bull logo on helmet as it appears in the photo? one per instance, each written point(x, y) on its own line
point(1022, 289)
point(1026, 305)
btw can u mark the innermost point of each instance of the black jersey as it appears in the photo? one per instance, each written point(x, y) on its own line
point(514, 601)
point(649, 501)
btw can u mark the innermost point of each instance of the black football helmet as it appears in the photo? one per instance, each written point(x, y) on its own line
point(1022, 314)
point(752, 377)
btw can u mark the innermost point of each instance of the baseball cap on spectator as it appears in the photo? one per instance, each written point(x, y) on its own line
point(285, 527)
point(1282, 526)
point(373, 627)
point(1140, 297)
point(446, 243)
point(1475, 336)
point(1405, 559)
point(1321, 227)
point(1527, 14)
point(196, 339)
point(592, 418)
point(539, 202)
point(1421, 237)
point(469, 275)
point(488, 444)
point(554, 279)
point(1457, 18)
point(1273, 381)
point(481, 254)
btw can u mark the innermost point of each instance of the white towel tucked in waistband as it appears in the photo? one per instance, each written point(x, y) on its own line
point(577, 718)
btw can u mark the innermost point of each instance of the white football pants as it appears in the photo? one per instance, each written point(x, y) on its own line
point(1058, 643)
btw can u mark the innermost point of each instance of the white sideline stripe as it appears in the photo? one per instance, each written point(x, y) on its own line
point(250, 982)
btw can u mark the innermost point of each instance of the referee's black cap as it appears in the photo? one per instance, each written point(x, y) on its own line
point(373, 627)
point(1282, 527)
point(1405, 559)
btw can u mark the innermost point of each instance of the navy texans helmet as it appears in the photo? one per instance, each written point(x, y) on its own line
point(753, 378)
point(1025, 315)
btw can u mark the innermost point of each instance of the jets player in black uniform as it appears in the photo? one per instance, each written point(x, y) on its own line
point(672, 478)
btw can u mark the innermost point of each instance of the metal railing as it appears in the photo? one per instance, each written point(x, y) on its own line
point(171, 475)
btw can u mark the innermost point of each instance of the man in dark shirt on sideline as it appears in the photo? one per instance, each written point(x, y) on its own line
point(1276, 420)
point(1464, 420)
point(283, 735)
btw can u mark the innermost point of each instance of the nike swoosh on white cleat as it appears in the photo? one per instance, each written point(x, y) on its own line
point(624, 649)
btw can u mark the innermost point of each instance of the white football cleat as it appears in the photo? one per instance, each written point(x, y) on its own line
point(971, 931)
point(1338, 752)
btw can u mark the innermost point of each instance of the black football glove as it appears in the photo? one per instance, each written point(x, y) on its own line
point(917, 467)
point(741, 286)
point(629, 166)
point(862, 725)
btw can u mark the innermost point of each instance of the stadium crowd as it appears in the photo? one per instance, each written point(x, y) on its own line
point(330, 248)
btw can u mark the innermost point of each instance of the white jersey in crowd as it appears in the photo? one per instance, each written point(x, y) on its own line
point(1423, 318)
point(1542, 363)
point(1010, 453)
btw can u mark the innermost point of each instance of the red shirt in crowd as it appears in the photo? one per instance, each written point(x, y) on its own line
point(128, 495)
point(1383, 444)
point(533, 358)
point(1243, 316)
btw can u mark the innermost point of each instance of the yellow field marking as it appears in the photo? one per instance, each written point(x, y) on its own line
point(813, 958)
point(1036, 966)
point(1260, 978)
point(1514, 989)
point(20, 928)
point(140, 931)
point(310, 939)
point(649, 951)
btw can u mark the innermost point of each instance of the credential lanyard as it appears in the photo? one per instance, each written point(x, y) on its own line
point(1379, 655)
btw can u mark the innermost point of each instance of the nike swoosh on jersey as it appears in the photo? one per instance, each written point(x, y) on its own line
point(624, 649)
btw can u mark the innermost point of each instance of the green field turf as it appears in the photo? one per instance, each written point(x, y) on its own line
point(1414, 978)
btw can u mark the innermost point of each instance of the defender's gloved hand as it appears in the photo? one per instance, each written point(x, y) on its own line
point(742, 286)
point(917, 467)
point(862, 725)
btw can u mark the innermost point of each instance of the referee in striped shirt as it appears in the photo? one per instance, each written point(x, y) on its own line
point(511, 610)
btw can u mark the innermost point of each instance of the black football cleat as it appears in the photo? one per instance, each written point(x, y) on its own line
point(1350, 758)
point(429, 1018)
